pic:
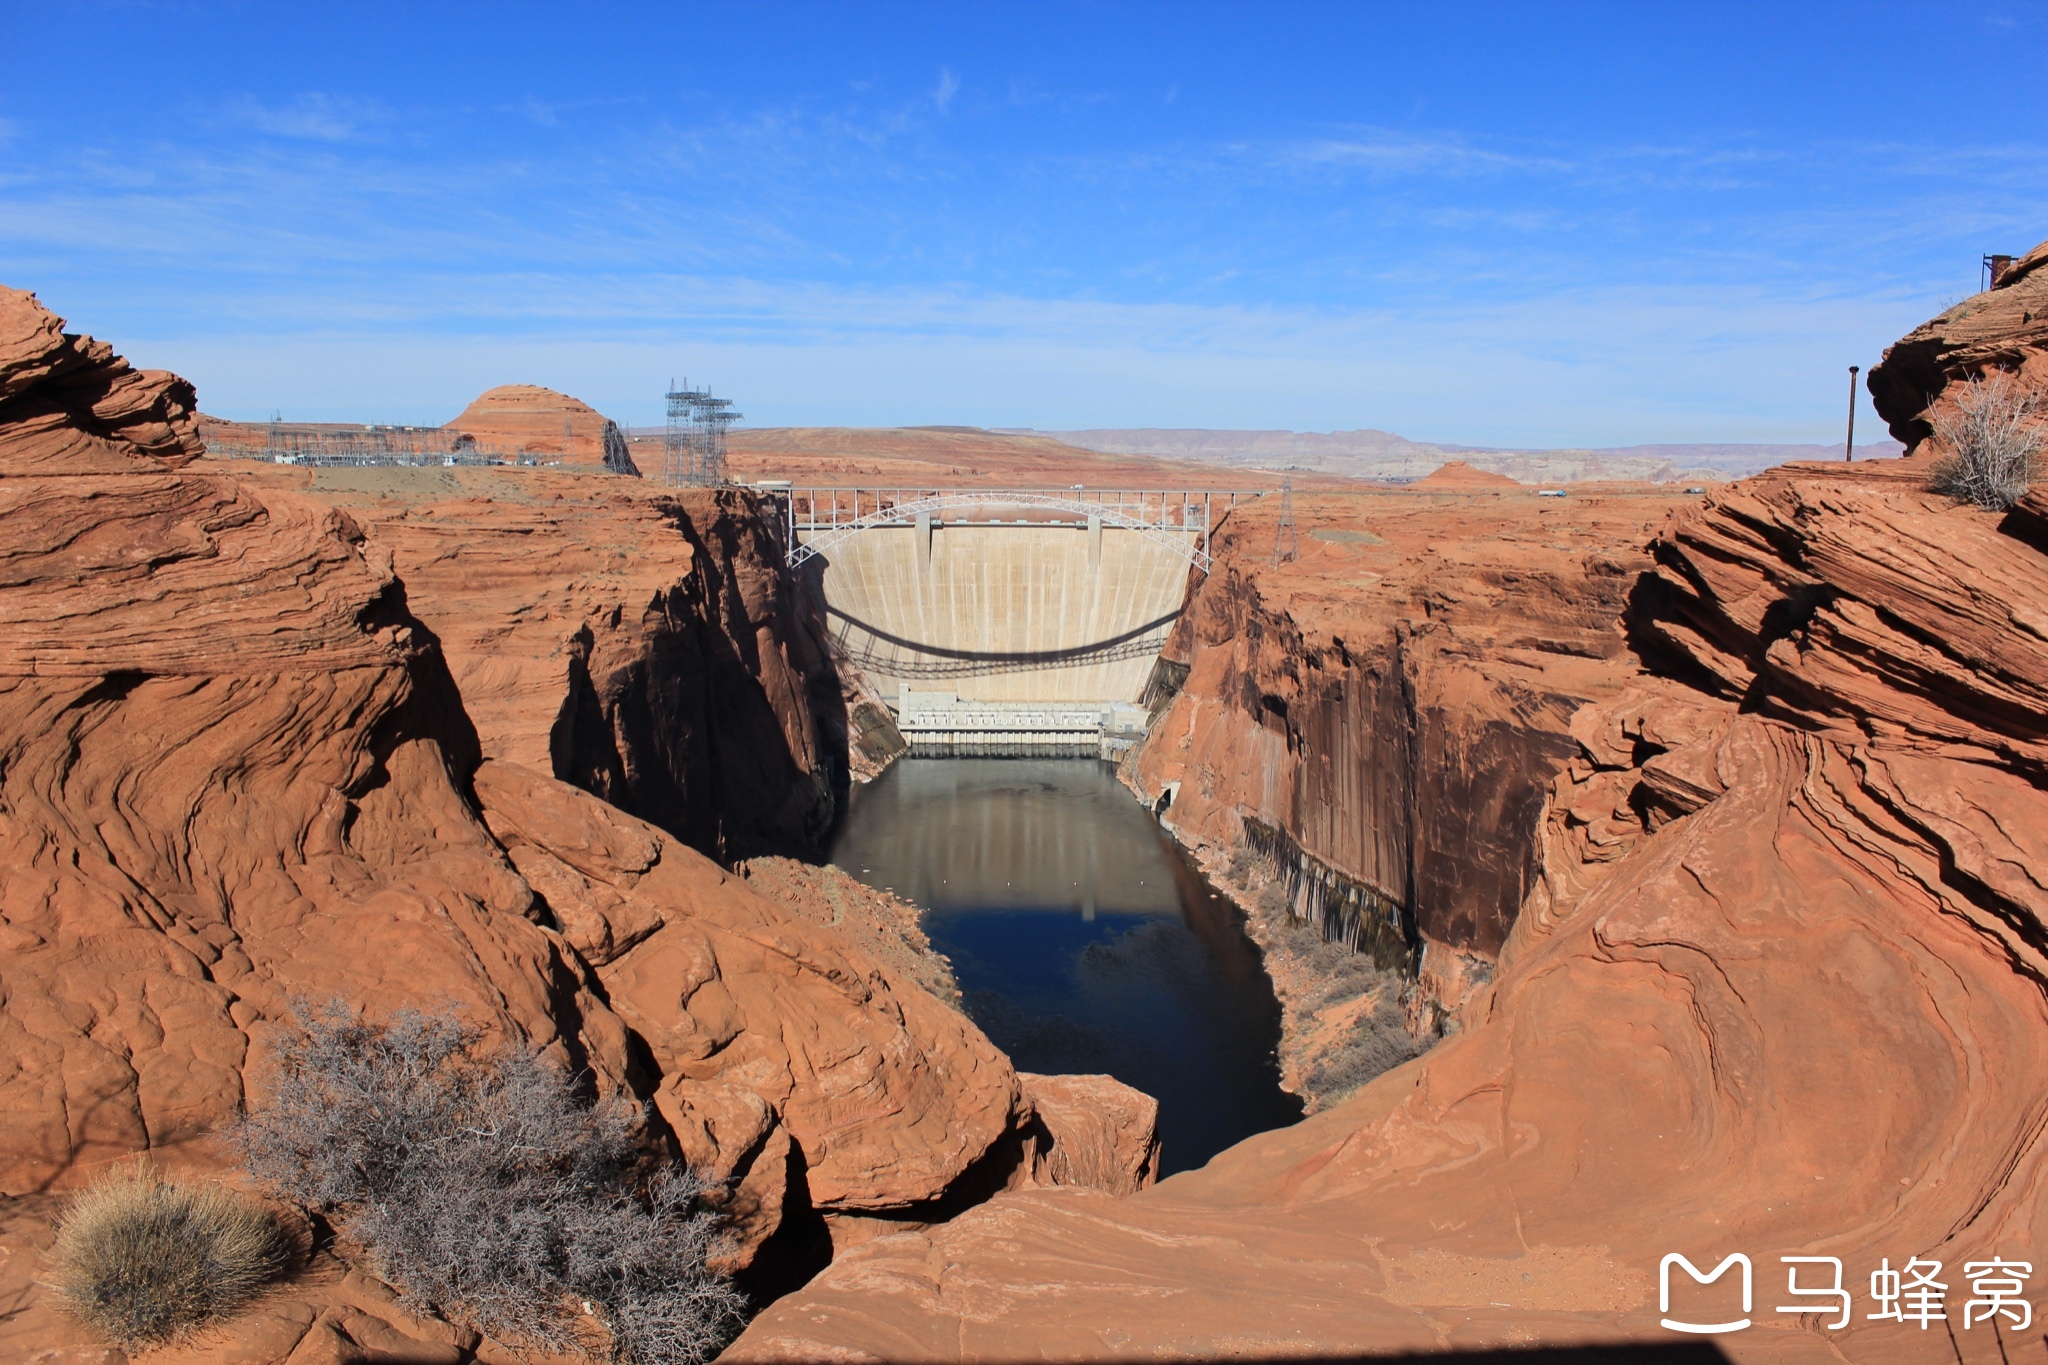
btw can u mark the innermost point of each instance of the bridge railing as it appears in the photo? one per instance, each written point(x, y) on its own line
point(819, 516)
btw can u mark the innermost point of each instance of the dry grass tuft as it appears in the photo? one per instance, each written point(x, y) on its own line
point(141, 1259)
point(1997, 440)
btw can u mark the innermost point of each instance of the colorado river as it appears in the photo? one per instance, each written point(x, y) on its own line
point(1083, 939)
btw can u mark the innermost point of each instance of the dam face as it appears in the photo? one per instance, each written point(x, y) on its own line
point(1004, 632)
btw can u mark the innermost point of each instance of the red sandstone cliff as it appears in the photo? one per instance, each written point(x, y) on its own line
point(235, 769)
point(1386, 711)
point(645, 644)
point(1776, 987)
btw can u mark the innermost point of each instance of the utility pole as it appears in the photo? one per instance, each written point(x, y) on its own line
point(1849, 450)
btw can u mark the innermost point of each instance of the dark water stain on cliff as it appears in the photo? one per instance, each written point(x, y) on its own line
point(1084, 940)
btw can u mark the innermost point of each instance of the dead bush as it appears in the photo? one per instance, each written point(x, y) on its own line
point(141, 1259)
point(1996, 439)
point(483, 1189)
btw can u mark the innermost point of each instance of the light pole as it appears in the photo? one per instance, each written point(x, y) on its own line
point(1849, 449)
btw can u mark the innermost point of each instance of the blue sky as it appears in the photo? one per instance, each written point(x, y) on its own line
point(1532, 225)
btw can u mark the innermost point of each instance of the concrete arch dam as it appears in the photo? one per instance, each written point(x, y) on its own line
point(1005, 621)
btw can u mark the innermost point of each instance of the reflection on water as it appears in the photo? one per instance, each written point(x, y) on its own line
point(1084, 940)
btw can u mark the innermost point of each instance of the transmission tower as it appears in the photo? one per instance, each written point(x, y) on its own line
point(675, 462)
point(714, 415)
point(695, 452)
point(1286, 544)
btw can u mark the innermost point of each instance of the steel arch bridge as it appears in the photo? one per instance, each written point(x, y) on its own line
point(816, 519)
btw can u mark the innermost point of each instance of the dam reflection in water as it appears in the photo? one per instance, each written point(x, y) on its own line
point(1084, 940)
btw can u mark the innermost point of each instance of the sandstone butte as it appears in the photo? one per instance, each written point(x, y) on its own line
point(236, 769)
point(1757, 968)
point(526, 419)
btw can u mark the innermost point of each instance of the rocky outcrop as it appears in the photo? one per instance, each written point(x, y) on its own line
point(1092, 1131)
point(235, 771)
point(887, 927)
point(526, 419)
point(72, 407)
point(1776, 988)
point(1459, 474)
point(789, 1062)
point(1382, 716)
point(645, 644)
point(2005, 328)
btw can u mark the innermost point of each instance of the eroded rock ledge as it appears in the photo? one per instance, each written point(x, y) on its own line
point(1372, 728)
point(1775, 984)
point(235, 770)
point(1776, 987)
point(645, 644)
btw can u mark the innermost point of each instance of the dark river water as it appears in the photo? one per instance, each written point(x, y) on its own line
point(1084, 940)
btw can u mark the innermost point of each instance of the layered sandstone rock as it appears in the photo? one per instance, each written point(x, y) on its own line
point(645, 644)
point(2005, 328)
point(1777, 988)
point(235, 771)
point(526, 419)
point(1383, 714)
point(1093, 1131)
point(1459, 474)
point(73, 407)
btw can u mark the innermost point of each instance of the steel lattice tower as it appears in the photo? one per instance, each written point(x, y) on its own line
point(695, 450)
point(1286, 543)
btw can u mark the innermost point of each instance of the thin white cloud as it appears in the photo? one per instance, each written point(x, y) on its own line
point(948, 86)
point(313, 116)
point(1402, 154)
point(1613, 367)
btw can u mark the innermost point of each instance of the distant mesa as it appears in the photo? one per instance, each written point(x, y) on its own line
point(1458, 474)
point(527, 419)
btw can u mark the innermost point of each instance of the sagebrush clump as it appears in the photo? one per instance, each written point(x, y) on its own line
point(141, 1259)
point(1996, 439)
point(485, 1190)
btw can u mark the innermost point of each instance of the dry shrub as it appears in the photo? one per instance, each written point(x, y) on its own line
point(141, 1259)
point(1996, 440)
point(485, 1190)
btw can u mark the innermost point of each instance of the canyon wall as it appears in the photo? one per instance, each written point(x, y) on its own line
point(1776, 988)
point(645, 644)
point(1384, 712)
point(236, 771)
